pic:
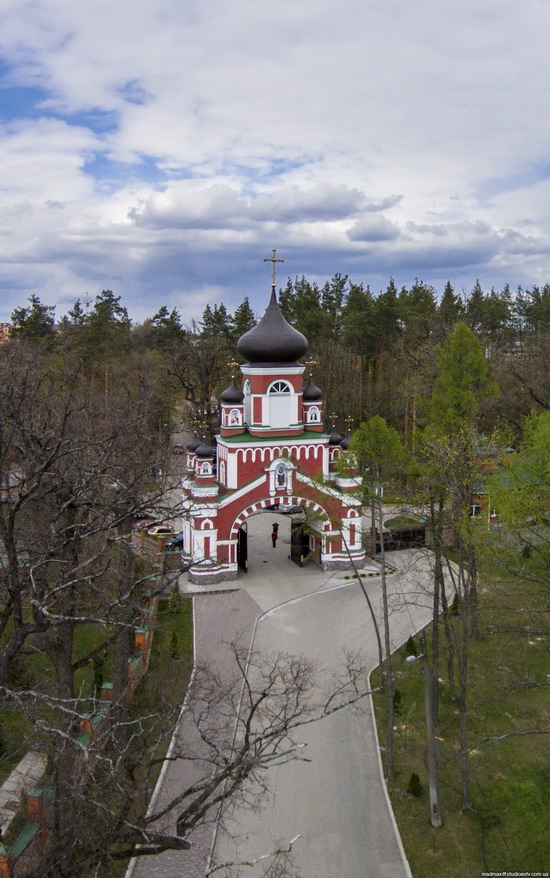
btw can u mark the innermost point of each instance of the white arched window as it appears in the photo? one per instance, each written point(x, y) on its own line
point(313, 415)
point(279, 387)
point(282, 404)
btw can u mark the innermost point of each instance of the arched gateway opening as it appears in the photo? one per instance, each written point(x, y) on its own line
point(301, 528)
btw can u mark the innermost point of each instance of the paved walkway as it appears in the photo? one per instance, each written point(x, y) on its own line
point(28, 773)
point(337, 802)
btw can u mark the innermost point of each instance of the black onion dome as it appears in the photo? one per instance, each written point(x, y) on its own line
point(311, 392)
point(204, 450)
point(232, 394)
point(193, 444)
point(273, 340)
point(334, 438)
point(345, 443)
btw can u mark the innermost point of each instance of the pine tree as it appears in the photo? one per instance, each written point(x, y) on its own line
point(243, 319)
point(451, 309)
point(34, 323)
point(462, 380)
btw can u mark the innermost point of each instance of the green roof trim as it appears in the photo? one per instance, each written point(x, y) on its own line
point(306, 436)
point(24, 839)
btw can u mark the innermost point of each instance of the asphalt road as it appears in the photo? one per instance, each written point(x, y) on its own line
point(337, 803)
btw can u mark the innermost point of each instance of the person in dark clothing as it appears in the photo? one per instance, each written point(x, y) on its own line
point(274, 535)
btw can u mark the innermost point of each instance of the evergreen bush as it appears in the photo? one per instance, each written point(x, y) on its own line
point(414, 786)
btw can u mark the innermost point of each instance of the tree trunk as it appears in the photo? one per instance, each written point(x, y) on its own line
point(123, 639)
point(373, 525)
point(387, 643)
point(433, 775)
point(472, 593)
point(450, 643)
point(437, 579)
point(63, 748)
point(463, 683)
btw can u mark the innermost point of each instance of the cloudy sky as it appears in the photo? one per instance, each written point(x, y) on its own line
point(161, 148)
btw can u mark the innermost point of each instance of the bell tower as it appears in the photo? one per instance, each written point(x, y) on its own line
point(272, 450)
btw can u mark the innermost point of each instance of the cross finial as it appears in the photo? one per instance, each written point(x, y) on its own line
point(310, 363)
point(273, 259)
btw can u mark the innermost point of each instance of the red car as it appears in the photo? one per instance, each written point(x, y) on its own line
point(143, 520)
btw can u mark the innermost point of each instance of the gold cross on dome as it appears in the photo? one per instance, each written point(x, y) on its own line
point(273, 259)
point(310, 363)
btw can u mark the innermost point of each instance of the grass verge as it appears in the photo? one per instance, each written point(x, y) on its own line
point(507, 828)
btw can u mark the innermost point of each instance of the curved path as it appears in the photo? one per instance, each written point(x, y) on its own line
point(337, 803)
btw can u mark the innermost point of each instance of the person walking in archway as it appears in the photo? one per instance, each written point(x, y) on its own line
point(274, 534)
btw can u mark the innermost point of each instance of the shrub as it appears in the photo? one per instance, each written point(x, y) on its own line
point(174, 645)
point(414, 786)
point(175, 603)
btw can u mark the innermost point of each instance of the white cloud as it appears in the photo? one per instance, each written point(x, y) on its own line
point(360, 135)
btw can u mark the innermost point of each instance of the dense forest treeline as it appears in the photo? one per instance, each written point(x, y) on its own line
point(371, 354)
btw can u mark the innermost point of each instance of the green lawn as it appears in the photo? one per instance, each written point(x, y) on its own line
point(165, 683)
point(508, 828)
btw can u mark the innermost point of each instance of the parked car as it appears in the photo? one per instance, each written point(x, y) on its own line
point(174, 543)
point(160, 532)
point(142, 520)
point(285, 508)
point(178, 449)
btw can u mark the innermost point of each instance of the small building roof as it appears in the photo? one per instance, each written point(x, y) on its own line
point(232, 394)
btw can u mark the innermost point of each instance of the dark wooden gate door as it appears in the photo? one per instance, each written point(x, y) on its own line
point(299, 541)
point(242, 548)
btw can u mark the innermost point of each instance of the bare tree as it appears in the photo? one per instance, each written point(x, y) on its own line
point(238, 726)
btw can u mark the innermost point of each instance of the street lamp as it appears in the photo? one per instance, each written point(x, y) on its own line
point(435, 812)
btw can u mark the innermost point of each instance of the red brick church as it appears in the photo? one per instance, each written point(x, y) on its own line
point(272, 450)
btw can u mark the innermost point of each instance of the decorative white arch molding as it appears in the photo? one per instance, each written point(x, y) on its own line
point(234, 418)
point(277, 387)
point(352, 513)
point(260, 505)
point(244, 453)
point(207, 524)
point(292, 452)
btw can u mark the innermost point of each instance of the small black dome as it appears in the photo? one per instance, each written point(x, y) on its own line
point(311, 392)
point(232, 394)
point(345, 443)
point(204, 450)
point(193, 444)
point(334, 438)
point(273, 340)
